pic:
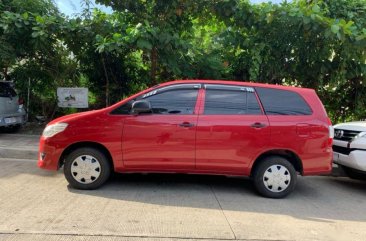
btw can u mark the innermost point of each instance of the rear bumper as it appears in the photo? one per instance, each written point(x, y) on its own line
point(318, 163)
point(356, 159)
point(12, 119)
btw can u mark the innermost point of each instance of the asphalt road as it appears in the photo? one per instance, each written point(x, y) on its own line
point(38, 205)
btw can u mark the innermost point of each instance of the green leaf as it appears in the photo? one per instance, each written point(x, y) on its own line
point(335, 28)
point(18, 25)
point(117, 36)
point(25, 15)
point(316, 8)
point(144, 44)
point(269, 17)
point(340, 36)
point(361, 37)
point(35, 34)
point(147, 23)
point(39, 19)
point(349, 24)
point(306, 20)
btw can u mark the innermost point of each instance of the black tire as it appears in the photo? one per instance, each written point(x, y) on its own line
point(11, 129)
point(91, 157)
point(283, 185)
point(354, 174)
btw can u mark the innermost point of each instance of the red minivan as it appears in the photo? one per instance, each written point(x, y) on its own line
point(266, 132)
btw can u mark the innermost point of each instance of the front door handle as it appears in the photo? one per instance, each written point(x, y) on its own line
point(258, 125)
point(186, 124)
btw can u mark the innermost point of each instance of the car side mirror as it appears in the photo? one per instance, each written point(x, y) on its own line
point(141, 106)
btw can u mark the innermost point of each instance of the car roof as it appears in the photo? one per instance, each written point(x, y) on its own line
point(238, 83)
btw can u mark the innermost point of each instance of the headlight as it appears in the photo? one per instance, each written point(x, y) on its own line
point(54, 129)
point(360, 135)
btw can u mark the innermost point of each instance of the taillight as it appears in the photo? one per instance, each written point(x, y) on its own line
point(20, 101)
point(331, 133)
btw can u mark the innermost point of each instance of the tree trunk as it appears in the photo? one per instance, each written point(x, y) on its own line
point(154, 63)
point(106, 85)
point(5, 73)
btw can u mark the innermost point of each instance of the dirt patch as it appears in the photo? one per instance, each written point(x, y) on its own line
point(32, 128)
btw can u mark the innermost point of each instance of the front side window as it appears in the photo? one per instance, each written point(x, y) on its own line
point(231, 101)
point(175, 101)
point(124, 109)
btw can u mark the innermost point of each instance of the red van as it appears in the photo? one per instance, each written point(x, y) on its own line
point(266, 132)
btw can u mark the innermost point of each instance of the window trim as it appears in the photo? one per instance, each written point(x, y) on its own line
point(229, 87)
point(168, 88)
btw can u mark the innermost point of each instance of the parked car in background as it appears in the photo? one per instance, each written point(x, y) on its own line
point(350, 148)
point(12, 113)
point(267, 132)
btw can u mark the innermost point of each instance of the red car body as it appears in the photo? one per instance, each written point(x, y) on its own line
point(197, 143)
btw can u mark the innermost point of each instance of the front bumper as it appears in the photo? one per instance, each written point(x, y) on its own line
point(49, 154)
point(355, 159)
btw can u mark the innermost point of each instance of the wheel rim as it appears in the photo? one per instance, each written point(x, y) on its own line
point(85, 169)
point(276, 178)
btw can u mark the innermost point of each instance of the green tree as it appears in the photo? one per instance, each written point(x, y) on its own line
point(316, 44)
point(31, 49)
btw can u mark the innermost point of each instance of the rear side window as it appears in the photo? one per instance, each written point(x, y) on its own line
point(282, 102)
point(233, 101)
point(6, 90)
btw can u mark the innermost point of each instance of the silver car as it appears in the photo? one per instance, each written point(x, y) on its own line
point(12, 114)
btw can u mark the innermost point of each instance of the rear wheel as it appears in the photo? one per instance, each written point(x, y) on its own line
point(11, 129)
point(354, 174)
point(86, 168)
point(275, 177)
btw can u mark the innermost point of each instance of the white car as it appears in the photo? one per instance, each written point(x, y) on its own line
point(12, 113)
point(349, 148)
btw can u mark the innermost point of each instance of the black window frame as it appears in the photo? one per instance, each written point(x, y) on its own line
point(193, 86)
point(245, 89)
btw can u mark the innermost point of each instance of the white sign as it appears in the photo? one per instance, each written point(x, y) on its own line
point(72, 97)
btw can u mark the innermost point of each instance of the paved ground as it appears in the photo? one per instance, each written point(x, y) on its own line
point(19, 146)
point(38, 205)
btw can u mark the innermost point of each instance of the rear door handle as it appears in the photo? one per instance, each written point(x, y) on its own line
point(258, 125)
point(186, 124)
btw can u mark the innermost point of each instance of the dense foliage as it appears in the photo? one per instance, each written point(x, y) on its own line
point(317, 44)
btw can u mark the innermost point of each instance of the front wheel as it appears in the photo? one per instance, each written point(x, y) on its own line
point(275, 177)
point(86, 168)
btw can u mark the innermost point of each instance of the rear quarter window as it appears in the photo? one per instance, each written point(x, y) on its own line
point(282, 102)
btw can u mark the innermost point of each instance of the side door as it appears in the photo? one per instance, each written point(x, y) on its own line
point(164, 139)
point(232, 129)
